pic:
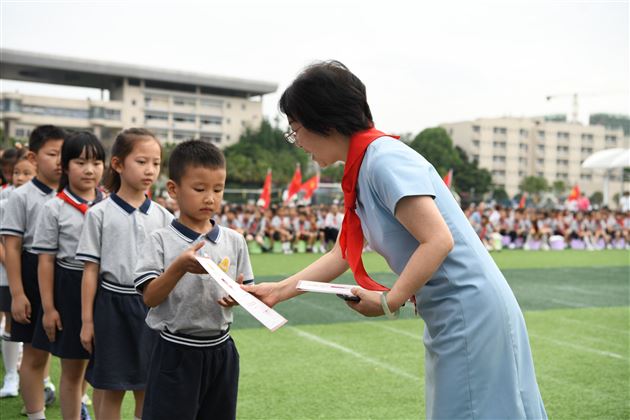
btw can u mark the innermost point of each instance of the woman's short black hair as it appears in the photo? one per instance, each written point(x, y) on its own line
point(73, 147)
point(327, 96)
point(193, 153)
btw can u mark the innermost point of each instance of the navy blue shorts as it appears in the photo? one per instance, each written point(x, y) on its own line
point(24, 332)
point(187, 382)
point(5, 299)
point(122, 342)
point(67, 296)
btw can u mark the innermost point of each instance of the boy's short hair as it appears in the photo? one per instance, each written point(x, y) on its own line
point(43, 133)
point(194, 153)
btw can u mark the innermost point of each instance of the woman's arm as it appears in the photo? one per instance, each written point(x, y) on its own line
point(46, 278)
point(325, 269)
point(422, 219)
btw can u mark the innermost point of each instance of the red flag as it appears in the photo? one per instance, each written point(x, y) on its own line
point(574, 194)
point(448, 178)
point(521, 204)
point(265, 195)
point(295, 184)
point(310, 186)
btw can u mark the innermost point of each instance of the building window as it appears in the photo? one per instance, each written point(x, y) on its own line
point(243, 107)
point(476, 128)
point(523, 132)
point(499, 130)
point(540, 161)
point(588, 137)
point(211, 103)
point(184, 118)
point(563, 149)
point(211, 137)
point(228, 105)
point(56, 111)
point(521, 173)
point(586, 177)
point(180, 101)
point(227, 136)
point(499, 144)
point(150, 116)
point(540, 148)
point(562, 162)
point(610, 140)
point(133, 102)
point(541, 135)
point(133, 120)
point(588, 150)
point(562, 175)
point(19, 132)
point(563, 135)
point(522, 160)
point(498, 173)
point(523, 146)
point(207, 119)
point(475, 143)
point(500, 159)
point(476, 158)
point(539, 174)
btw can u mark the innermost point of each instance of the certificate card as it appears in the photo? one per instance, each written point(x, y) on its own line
point(263, 313)
point(319, 287)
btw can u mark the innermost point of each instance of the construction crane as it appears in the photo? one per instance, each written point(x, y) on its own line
point(575, 110)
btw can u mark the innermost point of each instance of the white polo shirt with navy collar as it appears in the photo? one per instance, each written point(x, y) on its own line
point(191, 308)
point(22, 211)
point(115, 235)
point(59, 228)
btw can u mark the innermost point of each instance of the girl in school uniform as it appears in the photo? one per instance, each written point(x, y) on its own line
point(113, 329)
point(23, 171)
point(59, 272)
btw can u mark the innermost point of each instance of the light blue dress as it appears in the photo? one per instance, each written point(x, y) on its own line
point(478, 362)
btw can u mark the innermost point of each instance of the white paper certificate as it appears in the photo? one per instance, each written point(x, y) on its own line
point(267, 316)
point(319, 287)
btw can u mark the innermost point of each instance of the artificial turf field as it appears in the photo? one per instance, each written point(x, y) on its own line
point(329, 362)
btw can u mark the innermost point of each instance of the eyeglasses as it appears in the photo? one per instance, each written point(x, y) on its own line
point(291, 135)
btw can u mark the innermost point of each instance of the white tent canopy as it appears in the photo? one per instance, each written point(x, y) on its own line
point(608, 159)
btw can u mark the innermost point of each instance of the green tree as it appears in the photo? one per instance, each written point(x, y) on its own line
point(534, 185)
point(260, 149)
point(470, 180)
point(597, 198)
point(559, 187)
point(437, 147)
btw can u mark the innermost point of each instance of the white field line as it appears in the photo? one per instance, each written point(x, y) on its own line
point(319, 340)
point(395, 330)
point(579, 347)
point(583, 291)
point(594, 325)
point(570, 303)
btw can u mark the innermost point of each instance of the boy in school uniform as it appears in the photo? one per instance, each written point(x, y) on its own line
point(194, 367)
point(18, 228)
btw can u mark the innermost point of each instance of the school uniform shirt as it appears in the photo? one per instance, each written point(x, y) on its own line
point(191, 308)
point(478, 362)
point(22, 211)
point(114, 235)
point(4, 280)
point(59, 228)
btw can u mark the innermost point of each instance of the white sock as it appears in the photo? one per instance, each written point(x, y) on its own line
point(36, 416)
point(47, 380)
point(10, 355)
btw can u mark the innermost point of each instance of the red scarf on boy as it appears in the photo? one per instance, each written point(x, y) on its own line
point(351, 239)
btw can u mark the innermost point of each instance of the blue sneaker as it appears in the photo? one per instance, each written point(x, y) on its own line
point(85, 413)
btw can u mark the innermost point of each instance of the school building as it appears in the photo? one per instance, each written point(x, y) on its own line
point(175, 105)
point(514, 148)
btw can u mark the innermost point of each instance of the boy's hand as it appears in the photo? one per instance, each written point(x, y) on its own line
point(187, 263)
point(227, 301)
point(21, 309)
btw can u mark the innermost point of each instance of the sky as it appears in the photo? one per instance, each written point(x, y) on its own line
point(423, 62)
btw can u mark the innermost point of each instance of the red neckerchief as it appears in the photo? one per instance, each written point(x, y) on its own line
point(351, 239)
point(82, 207)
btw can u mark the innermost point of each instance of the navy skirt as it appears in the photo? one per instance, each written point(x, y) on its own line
point(67, 296)
point(122, 342)
point(5, 299)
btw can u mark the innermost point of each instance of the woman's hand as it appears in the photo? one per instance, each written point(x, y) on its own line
point(269, 293)
point(370, 303)
point(52, 324)
point(228, 301)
